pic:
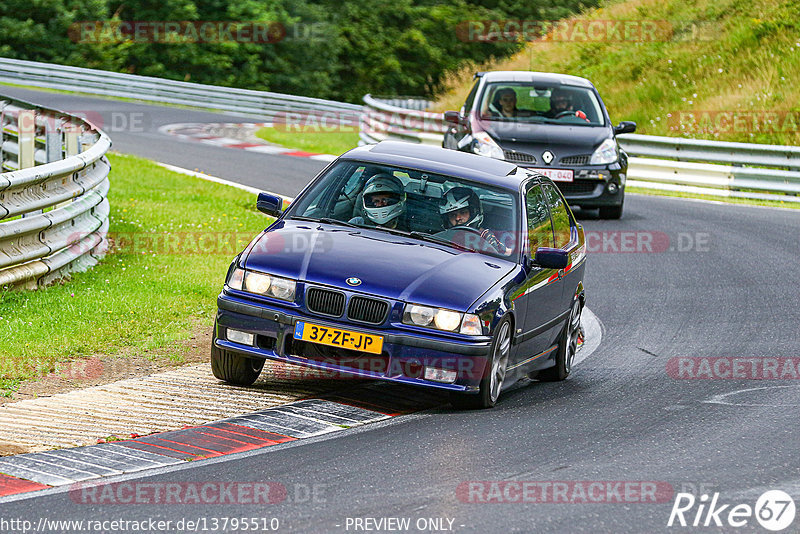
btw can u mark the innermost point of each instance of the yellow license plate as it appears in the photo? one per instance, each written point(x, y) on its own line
point(335, 337)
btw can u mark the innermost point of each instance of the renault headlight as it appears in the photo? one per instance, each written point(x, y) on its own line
point(484, 145)
point(442, 319)
point(606, 153)
point(262, 284)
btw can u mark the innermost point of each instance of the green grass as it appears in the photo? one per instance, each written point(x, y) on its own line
point(335, 143)
point(144, 295)
point(729, 200)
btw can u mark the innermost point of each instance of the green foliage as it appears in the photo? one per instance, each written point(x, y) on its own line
point(331, 49)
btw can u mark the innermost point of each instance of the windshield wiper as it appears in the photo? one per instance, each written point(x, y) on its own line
point(434, 239)
point(424, 237)
point(326, 220)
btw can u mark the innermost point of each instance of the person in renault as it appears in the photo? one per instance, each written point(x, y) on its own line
point(383, 202)
point(561, 104)
point(461, 207)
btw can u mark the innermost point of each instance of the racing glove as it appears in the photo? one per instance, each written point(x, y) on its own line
point(492, 240)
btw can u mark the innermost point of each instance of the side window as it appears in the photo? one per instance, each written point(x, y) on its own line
point(470, 97)
point(561, 219)
point(353, 184)
point(540, 230)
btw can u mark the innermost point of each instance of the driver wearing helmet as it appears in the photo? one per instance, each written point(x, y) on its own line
point(383, 202)
point(561, 105)
point(460, 206)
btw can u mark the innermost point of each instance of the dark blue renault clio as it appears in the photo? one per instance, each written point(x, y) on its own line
point(412, 264)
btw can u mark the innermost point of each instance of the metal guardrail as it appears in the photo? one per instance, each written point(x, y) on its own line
point(744, 170)
point(261, 104)
point(53, 187)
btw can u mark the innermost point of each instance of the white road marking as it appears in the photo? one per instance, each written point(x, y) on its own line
point(723, 398)
point(593, 335)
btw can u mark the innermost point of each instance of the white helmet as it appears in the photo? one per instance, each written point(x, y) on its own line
point(458, 198)
point(385, 185)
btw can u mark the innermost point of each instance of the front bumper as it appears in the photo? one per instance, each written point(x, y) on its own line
point(403, 358)
point(588, 190)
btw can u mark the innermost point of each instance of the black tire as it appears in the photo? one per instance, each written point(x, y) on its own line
point(611, 212)
point(234, 368)
point(493, 376)
point(567, 347)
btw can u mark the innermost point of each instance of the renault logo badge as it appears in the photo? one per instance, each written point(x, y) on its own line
point(353, 281)
point(547, 156)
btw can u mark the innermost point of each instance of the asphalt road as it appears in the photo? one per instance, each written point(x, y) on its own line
point(723, 287)
point(133, 128)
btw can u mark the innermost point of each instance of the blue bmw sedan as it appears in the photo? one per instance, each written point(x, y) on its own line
point(412, 264)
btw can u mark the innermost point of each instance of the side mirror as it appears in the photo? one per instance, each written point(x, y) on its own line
point(625, 127)
point(551, 258)
point(270, 204)
point(453, 117)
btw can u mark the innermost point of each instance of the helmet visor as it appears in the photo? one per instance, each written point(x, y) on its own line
point(380, 199)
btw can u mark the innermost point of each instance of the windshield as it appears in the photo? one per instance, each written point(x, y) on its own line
point(432, 207)
point(541, 103)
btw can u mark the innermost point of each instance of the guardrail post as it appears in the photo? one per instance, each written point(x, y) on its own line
point(53, 144)
point(2, 133)
point(26, 141)
point(26, 126)
point(71, 142)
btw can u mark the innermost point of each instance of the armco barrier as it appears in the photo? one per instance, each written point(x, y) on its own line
point(261, 104)
point(53, 186)
point(744, 170)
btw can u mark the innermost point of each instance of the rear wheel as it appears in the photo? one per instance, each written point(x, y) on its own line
point(611, 212)
point(494, 375)
point(234, 368)
point(567, 347)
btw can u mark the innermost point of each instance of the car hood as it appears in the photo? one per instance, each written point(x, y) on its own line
point(561, 139)
point(390, 266)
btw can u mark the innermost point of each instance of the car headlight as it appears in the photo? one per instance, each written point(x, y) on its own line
point(262, 284)
point(257, 282)
point(605, 153)
point(442, 319)
point(236, 279)
point(484, 145)
point(283, 288)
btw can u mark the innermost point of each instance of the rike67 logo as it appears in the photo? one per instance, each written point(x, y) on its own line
point(774, 510)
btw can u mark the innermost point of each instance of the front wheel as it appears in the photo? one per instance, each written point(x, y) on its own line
point(234, 368)
point(494, 375)
point(567, 347)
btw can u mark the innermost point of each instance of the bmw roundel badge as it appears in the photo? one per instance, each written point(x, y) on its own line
point(353, 281)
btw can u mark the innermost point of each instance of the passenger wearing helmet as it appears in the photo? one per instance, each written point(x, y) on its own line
point(460, 206)
point(383, 202)
point(561, 105)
